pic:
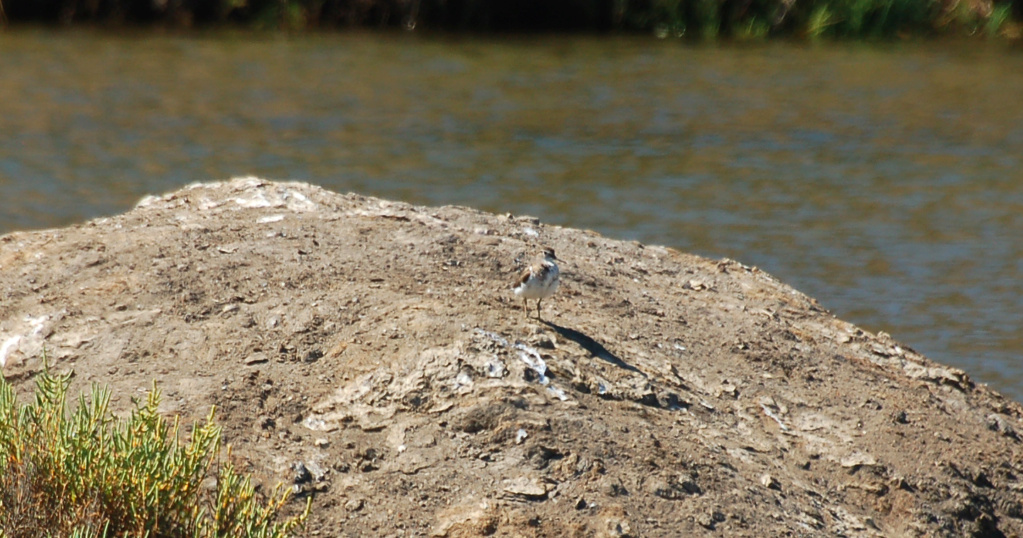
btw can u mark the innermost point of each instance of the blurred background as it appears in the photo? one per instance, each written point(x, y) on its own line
point(884, 178)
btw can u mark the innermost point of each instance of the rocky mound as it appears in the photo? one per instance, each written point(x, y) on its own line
point(371, 354)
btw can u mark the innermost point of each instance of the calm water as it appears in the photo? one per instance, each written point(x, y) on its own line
point(885, 181)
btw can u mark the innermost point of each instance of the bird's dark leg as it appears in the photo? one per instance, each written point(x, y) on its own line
point(538, 301)
point(525, 308)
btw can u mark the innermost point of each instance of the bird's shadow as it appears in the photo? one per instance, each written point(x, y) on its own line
point(594, 347)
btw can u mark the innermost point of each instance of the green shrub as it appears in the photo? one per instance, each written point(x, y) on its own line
point(820, 22)
point(996, 21)
point(85, 474)
point(753, 29)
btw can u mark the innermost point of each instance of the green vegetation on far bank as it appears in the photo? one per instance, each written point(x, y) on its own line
point(697, 19)
point(84, 474)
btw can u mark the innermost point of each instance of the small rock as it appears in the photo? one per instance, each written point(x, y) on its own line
point(526, 487)
point(857, 459)
point(354, 505)
point(998, 423)
point(321, 442)
point(266, 423)
point(255, 358)
point(302, 474)
point(709, 521)
point(495, 368)
point(770, 482)
point(546, 341)
point(690, 487)
point(617, 526)
point(694, 285)
point(520, 436)
point(657, 486)
point(614, 488)
point(308, 471)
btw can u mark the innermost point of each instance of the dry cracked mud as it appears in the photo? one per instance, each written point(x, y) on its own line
point(371, 354)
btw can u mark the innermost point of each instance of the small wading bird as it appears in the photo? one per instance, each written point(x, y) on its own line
point(538, 281)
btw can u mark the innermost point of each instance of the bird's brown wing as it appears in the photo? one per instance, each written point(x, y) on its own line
point(524, 275)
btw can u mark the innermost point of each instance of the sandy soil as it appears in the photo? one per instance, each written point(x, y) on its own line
point(371, 354)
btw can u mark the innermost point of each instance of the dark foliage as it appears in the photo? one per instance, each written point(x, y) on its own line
point(697, 19)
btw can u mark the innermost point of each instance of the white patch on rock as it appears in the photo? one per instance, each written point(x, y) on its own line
point(7, 347)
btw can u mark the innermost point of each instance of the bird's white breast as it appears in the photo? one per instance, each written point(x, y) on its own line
point(542, 282)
